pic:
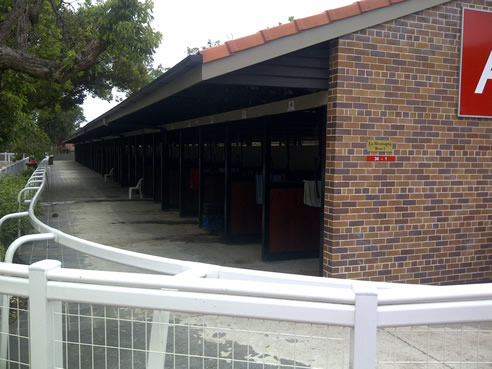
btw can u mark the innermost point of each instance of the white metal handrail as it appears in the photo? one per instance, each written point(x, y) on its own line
point(208, 285)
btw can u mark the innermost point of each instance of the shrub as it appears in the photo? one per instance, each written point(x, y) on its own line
point(9, 188)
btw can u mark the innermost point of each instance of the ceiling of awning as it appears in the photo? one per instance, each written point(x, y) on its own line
point(290, 76)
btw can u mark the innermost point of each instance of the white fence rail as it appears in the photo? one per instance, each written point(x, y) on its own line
point(206, 316)
point(14, 168)
point(6, 157)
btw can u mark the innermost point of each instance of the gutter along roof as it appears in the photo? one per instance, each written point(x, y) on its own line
point(196, 73)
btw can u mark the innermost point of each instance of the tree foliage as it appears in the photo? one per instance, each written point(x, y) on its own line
point(194, 50)
point(60, 124)
point(54, 41)
point(53, 53)
point(30, 138)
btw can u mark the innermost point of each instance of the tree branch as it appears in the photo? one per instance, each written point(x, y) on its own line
point(22, 30)
point(34, 11)
point(57, 13)
point(21, 61)
point(54, 71)
point(22, 17)
point(85, 59)
point(10, 22)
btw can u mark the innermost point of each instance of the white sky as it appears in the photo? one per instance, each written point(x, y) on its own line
point(191, 23)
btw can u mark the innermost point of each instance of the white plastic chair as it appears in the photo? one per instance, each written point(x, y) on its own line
point(110, 174)
point(138, 188)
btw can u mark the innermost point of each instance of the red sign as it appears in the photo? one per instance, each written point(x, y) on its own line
point(381, 158)
point(476, 64)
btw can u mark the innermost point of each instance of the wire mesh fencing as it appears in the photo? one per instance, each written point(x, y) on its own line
point(451, 346)
point(117, 337)
point(14, 337)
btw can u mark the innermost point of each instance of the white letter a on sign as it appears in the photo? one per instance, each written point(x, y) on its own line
point(486, 75)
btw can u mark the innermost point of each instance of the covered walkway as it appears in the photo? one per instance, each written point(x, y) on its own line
point(80, 203)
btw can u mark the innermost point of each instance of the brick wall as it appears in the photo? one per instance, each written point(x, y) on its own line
point(427, 217)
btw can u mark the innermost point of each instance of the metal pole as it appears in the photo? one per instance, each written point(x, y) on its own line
point(227, 182)
point(266, 150)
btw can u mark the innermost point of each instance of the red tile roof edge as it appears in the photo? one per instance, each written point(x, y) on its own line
point(297, 26)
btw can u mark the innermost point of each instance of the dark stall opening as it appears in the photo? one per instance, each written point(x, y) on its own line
point(139, 161)
point(132, 160)
point(181, 174)
point(295, 188)
point(213, 179)
point(188, 169)
point(245, 213)
point(147, 165)
point(172, 176)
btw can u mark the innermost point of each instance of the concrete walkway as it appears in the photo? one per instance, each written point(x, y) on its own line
point(79, 202)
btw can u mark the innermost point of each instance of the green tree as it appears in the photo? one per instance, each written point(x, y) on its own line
point(11, 110)
point(290, 19)
point(31, 139)
point(194, 50)
point(60, 124)
point(53, 54)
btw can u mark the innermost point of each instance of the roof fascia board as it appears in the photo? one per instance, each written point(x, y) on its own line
point(314, 36)
point(279, 107)
point(139, 132)
point(100, 139)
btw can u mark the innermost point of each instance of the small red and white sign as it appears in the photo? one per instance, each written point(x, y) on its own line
point(476, 64)
point(381, 158)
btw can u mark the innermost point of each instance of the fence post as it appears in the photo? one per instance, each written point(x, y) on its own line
point(4, 331)
point(364, 334)
point(160, 326)
point(158, 340)
point(45, 328)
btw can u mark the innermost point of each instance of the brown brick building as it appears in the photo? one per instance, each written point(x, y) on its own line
point(427, 217)
point(320, 90)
